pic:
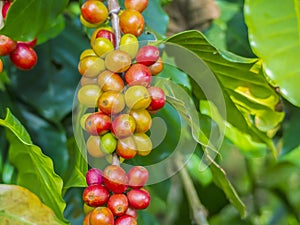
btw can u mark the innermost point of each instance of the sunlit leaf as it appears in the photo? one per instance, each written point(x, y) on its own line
point(35, 170)
point(274, 37)
point(19, 206)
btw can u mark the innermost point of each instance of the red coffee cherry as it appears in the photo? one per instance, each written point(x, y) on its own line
point(97, 123)
point(126, 147)
point(31, 44)
point(148, 55)
point(118, 204)
point(101, 216)
point(157, 67)
point(5, 8)
point(125, 220)
point(108, 35)
point(137, 177)
point(131, 212)
point(158, 98)
point(132, 22)
point(109, 81)
point(94, 176)
point(95, 195)
point(23, 57)
point(139, 5)
point(138, 74)
point(115, 179)
point(7, 45)
point(123, 126)
point(94, 12)
point(138, 198)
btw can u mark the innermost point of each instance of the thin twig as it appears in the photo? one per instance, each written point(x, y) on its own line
point(114, 9)
point(198, 210)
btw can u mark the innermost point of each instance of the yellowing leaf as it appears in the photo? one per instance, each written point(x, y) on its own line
point(19, 206)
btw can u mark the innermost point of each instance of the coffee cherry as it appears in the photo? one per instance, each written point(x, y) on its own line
point(108, 143)
point(125, 220)
point(143, 120)
point(109, 81)
point(115, 179)
point(91, 66)
point(131, 212)
point(138, 74)
point(87, 80)
point(31, 43)
point(111, 102)
point(85, 23)
point(139, 5)
point(137, 177)
point(23, 57)
point(87, 52)
point(123, 126)
point(104, 33)
point(137, 97)
point(158, 98)
point(102, 46)
point(88, 95)
point(98, 123)
point(7, 45)
point(86, 220)
point(1, 66)
point(117, 61)
point(118, 204)
point(94, 12)
point(5, 8)
point(143, 143)
point(138, 198)
point(101, 216)
point(157, 67)
point(130, 44)
point(132, 22)
point(93, 147)
point(126, 147)
point(95, 195)
point(94, 176)
point(147, 55)
point(96, 31)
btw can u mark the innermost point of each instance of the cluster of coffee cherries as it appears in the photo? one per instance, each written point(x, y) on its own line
point(118, 92)
point(114, 196)
point(21, 54)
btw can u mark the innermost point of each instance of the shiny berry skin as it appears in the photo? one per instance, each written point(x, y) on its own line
point(123, 126)
point(94, 12)
point(132, 22)
point(5, 8)
point(102, 46)
point(125, 220)
point(94, 176)
point(139, 5)
point(95, 195)
point(108, 143)
point(109, 81)
point(138, 198)
point(138, 74)
point(87, 80)
point(130, 44)
point(98, 123)
point(31, 43)
point(101, 216)
point(148, 55)
point(86, 53)
point(7, 45)
point(157, 67)
point(143, 120)
point(115, 179)
point(86, 220)
point(111, 102)
point(90, 66)
point(108, 35)
point(118, 204)
point(143, 143)
point(137, 97)
point(137, 177)
point(126, 148)
point(118, 61)
point(131, 212)
point(96, 31)
point(93, 147)
point(88, 95)
point(158, 98)
point(23, 57)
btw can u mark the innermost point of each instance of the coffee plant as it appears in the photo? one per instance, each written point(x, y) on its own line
point(108, 118)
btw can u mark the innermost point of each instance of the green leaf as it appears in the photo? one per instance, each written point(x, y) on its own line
point(274, 37)
point(19, 206)
point(221, 180)
point(27, 19)
point(241, 84)
point(35, 170)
